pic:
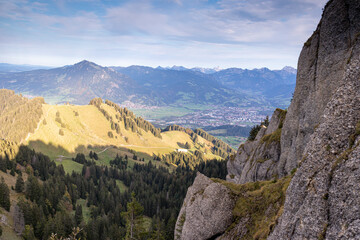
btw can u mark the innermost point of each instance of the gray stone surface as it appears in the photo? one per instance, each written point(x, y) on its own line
point(321, 69)
point(206, 211)
point(323, 198)
point(256, 160)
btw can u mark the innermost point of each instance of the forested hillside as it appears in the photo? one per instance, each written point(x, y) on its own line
point(96, 203)
point(18, 115)
point(84, 169)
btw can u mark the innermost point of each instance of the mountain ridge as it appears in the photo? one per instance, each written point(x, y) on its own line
point(81, 82)
point(62, 131)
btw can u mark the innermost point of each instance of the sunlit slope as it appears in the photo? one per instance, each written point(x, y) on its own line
point(75, 129)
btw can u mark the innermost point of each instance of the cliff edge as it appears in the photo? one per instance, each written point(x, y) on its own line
point(315, 146)
point(321, 69)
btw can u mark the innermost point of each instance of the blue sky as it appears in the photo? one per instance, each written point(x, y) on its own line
point(204, 33)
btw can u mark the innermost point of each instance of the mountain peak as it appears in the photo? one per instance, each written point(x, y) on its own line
point(289, 69)
point(86, 63)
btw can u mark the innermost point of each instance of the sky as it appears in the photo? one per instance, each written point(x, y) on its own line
point(191, 33)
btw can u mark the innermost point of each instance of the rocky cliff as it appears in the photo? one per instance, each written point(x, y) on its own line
point(323, 199)
point(321, 70)
point(318, 139)
point(257, 160)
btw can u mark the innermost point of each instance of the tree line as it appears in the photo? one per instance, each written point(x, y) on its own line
point(51, 197)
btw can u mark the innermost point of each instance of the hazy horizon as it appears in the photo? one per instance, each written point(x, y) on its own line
point(164, 67)
point(217, 33)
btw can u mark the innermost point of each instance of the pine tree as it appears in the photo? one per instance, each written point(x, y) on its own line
point(33, 189)
point(187, 145)
point(253, 132)
point(158, 230)
point(266, 122)
point(134, 219)
point(78, 215)
point(4, 195)
point(19, 185)
point(3, 166)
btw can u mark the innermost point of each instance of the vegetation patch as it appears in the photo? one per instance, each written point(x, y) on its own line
point(260, 202)
point(355, 135)
point(253, 132)
point(261, 160)
point(282, 116)
point(273, 137)
point(323, 233)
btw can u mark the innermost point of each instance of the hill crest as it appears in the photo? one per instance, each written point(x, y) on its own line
point(61, 131)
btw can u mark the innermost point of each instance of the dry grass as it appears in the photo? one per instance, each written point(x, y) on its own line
point(86, 125)
point(18, 115)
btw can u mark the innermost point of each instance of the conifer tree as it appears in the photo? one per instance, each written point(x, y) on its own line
point(134, 219)
point(158, 230)
point(19, 185)
point(4, 195)
point(78, 215)
point(3, 166)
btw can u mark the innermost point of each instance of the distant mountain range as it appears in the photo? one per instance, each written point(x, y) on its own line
point(6, 67)
point(85, 80)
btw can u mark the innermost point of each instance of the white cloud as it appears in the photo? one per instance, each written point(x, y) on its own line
point(239, 33)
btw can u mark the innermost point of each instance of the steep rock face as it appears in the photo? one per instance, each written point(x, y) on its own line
point(206, 211)
point(320, 137)
point(323, 199)
point(256, 160)
point(321, 68)
point(321, 131)
point(321, 71)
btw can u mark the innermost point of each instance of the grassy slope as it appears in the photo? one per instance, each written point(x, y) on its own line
point(88, 131)
point(233, 141)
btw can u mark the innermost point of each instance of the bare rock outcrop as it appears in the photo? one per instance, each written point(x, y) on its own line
point(321, 70)
point(257, 160)
point(319, 138)
point(321, 132)
point(206, 211)
point(323, 199)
